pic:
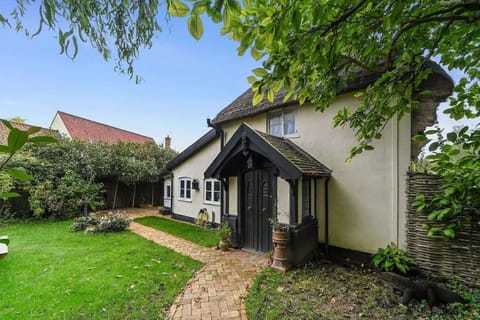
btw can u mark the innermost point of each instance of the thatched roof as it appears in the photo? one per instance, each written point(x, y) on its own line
point(242, 107)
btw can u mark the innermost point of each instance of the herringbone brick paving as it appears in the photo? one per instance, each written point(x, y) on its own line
point(218, 289)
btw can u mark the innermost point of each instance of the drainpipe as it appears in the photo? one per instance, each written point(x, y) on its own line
point(171, 193)
point(326, 215)
point(222, 143)
point(219, 131)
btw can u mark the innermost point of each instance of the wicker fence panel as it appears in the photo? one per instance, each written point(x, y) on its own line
point(434, 255)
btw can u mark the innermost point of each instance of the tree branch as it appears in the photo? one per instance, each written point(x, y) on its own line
point(334, 24)
point(343, 17)
point(414, 23)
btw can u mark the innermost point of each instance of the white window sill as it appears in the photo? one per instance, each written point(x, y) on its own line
point(185, 200)
point(291, 136)
point(212, 203)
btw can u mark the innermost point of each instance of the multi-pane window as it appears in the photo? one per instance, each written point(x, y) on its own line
point(185, 189)
point(282, 123)
point(212, 191)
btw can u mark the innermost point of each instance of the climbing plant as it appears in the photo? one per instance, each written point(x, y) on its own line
point(456, 158)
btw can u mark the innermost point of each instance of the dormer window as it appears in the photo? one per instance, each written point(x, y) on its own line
point(282, 123)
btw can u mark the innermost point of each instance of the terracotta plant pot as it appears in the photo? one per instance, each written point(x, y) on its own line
point(280, 250)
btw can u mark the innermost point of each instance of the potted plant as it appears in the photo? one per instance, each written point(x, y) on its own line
point(225, 233)
point(280, 237)
point(162, 210)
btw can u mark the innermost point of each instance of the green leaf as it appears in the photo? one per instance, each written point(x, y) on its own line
point(454, 152)
point(266, 21)
point(451, 136)
point(195, 26)
point(234, 6)
point(8, 195)
point(257, 98)
point(4, 21)
point(16, 139)
point(419, 138)
point(177, 8)
point(270, 95)
point(18, 174)
point(449, 233)
point(200, 7)
point(433, 231)
point(33, 130)
point(42, 139)
point(433, 146)
point(7, 124)
point(260, 72)
point(402, 268)
point(256, 54)
point(251, 79)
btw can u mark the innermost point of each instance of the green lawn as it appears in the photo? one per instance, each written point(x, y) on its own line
point(51, 273)
point(190, 232)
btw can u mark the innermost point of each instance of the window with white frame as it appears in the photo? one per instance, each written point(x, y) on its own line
point(212, 191)
point(282, 123)
point(168, 191)
point(185, 189)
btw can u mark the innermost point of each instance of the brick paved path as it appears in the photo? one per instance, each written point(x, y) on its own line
point(218, 289)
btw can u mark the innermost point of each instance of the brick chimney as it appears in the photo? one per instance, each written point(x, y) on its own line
point(168, 142)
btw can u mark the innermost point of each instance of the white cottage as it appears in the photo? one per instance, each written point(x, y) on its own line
point(286, 159)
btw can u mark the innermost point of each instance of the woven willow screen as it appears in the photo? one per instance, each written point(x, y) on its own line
point(434, 255)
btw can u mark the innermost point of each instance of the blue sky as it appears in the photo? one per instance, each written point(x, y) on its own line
point(185, 82)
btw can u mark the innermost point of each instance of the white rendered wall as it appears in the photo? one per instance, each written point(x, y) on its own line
point(57, 124)
point(367, 198)
point(194, 168)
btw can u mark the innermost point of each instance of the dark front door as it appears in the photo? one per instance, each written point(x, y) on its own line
point(257, 209)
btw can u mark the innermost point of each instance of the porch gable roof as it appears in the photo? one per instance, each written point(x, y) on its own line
point(291, 161)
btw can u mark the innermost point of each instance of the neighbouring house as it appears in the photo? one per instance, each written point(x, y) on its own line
point(78, 128)
point(284, 159)
point(23, 126)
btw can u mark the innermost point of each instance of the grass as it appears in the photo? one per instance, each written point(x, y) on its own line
point(192, 233)
point(51, 273)
point(327, 291)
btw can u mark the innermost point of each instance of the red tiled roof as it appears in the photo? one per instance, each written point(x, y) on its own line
point(22, 126)
point(88, 130)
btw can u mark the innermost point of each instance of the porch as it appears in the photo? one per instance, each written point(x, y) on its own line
point(266, 177)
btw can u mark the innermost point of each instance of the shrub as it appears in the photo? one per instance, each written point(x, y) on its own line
point(81, 223)
point(392, 259)
point(113, 222)
point(93, 224)
point(225, 232)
